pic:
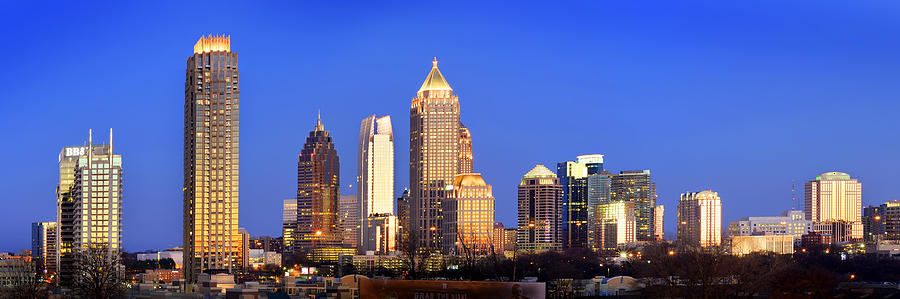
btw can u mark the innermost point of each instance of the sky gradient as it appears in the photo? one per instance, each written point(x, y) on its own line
point(744, 99)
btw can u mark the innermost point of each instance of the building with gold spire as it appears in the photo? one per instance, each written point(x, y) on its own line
point(212, 242)
point(318, 195)
point(434, 140)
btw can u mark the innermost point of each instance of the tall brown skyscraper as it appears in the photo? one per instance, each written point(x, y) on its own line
point(540, 211)
point(434, 141)
point(466, 159)
point(211, 119)
point(318, 194)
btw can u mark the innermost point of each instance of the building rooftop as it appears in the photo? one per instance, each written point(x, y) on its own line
point(539, 171)
point(211, 43)
point(435, 80)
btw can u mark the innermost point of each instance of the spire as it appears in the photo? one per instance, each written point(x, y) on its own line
point(435, 80)
point(319, 125)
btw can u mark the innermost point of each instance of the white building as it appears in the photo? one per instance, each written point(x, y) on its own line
point(375, 183)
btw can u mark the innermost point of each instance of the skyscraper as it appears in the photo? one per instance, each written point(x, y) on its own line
point(318, 193)
point(617, 224)
point(43, 245)
point(835, 197)
point(375, 181)
point(348, 217)
point(700, 219)
point(573, 176)
point(468, 216)
point(91, 209)
point(599, 193)
point(636, 186)
point(658, 222)
point(539, 211)
point(466, 159)
point(211, 149)
point(289, 224)
point(433, 156)
point(403, 220)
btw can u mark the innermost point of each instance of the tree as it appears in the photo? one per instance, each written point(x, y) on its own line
point(98, 274)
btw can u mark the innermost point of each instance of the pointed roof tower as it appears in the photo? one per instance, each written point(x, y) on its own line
point(435, 80)
point(319, 125)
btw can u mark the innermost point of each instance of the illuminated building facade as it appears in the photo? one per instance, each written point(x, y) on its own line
point(617, 224)
point(778, 244)
point(468, 216)
point(636, 186)
point(466, 159)
point(43, 244)
point(498, 238)
point(573, 176)
point(791, 223)
point(375, 181)
point(539, 211)
point(833, 197)
point(658, 222)
point(211, 150)
point(433, 156)
point(318, 193)
point(381, 233)
point(289, 223)
point(598, 186)
point(348, 217)
point(91, 209)
point(700, 219)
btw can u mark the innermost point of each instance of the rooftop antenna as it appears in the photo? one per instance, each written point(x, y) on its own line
point(793, 195)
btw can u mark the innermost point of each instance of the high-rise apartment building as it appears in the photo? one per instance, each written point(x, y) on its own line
point(636, 186)
point(348, 217)
point(468, 216)
point(700, 219)
point(434, 133)
point(43, 245)
point(466, 158)
point(375, 181)
point(288, 224)
point(835, 197)
point(617, 224)
point(573, 176)
point(318, 194)
point(90, 211)
point(211, 150)
point(659, 223)
point(539, 211)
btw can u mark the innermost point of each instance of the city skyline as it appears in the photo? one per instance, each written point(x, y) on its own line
point(744, 170)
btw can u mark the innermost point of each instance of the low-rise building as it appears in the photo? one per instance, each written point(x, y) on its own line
point(779, 244)
point(15, 270)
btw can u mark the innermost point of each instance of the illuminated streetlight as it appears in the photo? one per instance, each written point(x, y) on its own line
point(671, 252)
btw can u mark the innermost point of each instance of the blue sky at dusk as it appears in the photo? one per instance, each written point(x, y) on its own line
point(740, 98)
